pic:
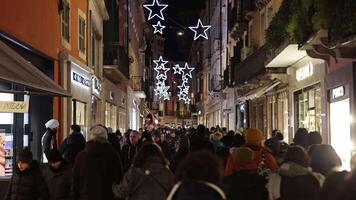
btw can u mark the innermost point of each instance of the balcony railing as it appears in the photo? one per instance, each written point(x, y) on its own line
point(115, 55)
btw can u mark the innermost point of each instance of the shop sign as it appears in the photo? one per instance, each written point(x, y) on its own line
point(13, 107)
point(338, 92)
point(96, 85)
point(81, 80)
point(305, 72)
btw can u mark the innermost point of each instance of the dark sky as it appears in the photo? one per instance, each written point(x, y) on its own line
point(178, 16)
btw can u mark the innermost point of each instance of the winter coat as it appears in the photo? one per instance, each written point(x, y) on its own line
point(334, 186)
point(201, 143)
point(59, 181)
point(166, 149)
point(196, 190)
point(71, 146)
point(128, 153)
point(27, 185)
point(245, 185)
point(270, 161)
point(115, 142)
point(152, 182)
point(96, 168)
point(294, 182)
point(48, 142)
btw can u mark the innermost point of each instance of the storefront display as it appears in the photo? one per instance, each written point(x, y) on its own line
point(110, 116)
point(308, 108)
point(79, 114)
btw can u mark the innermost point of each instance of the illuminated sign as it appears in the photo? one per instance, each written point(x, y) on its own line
point(96, 85)
point(305, 72)
point(13, 106)
point(81, 79)
point(338, 92)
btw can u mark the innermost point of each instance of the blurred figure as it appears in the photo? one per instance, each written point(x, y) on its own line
point(301, 138)
point(228, 139)
point(58, 176)
point(200, 140)
point(48, 139)
point(277, 145)
point(73, 144)
point(147, 134)
point(314, 137)
point(324, 159)
point(199, 176)
point(221, 151)
point(353, 162)
point(334, 186)
point(245, 183)
point(239, 140)
point(26, 181)
point(96, 168)
point(157, 139)
point(263, 158)
point(129, 150)
point(140, 132)
point(182, 152)
point(295, 180)
point(148, 178)
point(114, 141)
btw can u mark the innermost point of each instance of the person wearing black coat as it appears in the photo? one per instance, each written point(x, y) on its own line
point(130, 150)
point(114, 141)
point(58, 176)
point(96, 168)
point(200, 140)
point(73, 144)
point(166, 149)
point(27, 182)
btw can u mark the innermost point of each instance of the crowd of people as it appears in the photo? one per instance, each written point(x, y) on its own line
point(182, 164)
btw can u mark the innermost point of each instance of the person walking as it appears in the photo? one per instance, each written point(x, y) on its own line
point(73, 144)
point(48, 139)
point(130, 150)
point(58, 176)
point(26, 182)
point(324, 159)
point(199, 176)
point(295, 180)
point(96, 168)
point(166, 149)
point(149, 178)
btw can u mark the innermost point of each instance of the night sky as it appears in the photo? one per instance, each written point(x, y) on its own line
point(178, 16)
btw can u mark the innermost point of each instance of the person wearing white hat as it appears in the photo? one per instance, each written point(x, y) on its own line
point(49, 138)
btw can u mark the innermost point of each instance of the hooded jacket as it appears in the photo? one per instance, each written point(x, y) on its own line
point(152, 182)
point(96, 168)
point(294, 182)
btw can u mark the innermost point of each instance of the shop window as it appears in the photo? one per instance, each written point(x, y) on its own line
point(79, 114)
point(110, 116)
point(308, 108)
point(65, 24)
point(81, 34)
point(122, 122)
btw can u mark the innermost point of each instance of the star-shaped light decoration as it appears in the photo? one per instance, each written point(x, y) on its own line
point(184, 89)
point(177, 69)
point(160, 62)
point(186, 100)
point(181, 96)
point(161, 69)
point(187, 71)
point(158, 28)
point(155, 6)
point(200, 28)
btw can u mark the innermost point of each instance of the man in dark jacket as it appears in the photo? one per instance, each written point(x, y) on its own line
point(27, 182)
point(48, 139)
point(166, 149)
point(73, 144)
point(114, 141)
point(96, 168)
point(58, 176)
point(129, 150)
point(200, 140)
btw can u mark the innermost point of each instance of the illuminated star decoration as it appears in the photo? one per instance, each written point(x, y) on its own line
point(158, 28)
point(184, 87)
point(155, 4)
point(199, 29)
point(161, 89)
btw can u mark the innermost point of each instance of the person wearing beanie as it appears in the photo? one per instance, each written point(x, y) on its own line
point(58, 175)
point(96, 168)
point(48, 140)
point(245, 183)
point(26, 182)
point(263, 158)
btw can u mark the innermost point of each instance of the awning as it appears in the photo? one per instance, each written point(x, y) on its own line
point(260, 91)
point(15, 69)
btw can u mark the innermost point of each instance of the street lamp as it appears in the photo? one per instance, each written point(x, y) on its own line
point(180, 32)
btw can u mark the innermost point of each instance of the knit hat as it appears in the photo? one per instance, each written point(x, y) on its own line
point(242, 155)
point(52, 124)
point(254, 136)
point(54, 156)
point(25, 156)
point(98, 132)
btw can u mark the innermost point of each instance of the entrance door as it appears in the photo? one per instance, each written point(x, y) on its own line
point(340, 130)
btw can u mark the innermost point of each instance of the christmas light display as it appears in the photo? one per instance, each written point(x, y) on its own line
point(184, 87)
point(158, 28)
point(161, 89)
point(198, 29)
point(151, 7)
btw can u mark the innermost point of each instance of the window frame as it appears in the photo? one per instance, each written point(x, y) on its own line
point(82, 18)
point(66, 41)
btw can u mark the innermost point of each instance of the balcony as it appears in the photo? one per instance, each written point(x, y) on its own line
point(116, 62)
point(137, 84)
point(238, 17)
